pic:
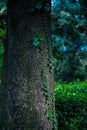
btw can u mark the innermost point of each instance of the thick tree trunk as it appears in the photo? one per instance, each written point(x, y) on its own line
point(27, 83)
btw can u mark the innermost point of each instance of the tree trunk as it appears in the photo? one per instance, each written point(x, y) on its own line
point(27, 81)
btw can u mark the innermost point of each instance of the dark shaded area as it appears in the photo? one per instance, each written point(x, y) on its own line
point(72, 114)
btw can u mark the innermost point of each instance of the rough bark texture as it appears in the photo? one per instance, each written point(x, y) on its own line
point(24, 98)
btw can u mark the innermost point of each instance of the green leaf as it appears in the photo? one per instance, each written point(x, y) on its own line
point(47, 7)
point(39, 5)
point(36, 43)
point(2, 33)
point(42, 39)
point(36, 39)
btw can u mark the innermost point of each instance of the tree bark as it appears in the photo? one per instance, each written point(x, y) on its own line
point(27, 81)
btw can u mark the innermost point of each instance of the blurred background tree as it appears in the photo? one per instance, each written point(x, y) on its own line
point(69, 39)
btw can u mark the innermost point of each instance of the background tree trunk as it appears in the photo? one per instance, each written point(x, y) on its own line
point(27, 82)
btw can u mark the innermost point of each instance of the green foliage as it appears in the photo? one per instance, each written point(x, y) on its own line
point(71, 105)
point(52, 116)
point(47, 7)
point(38, 38)
point(44, 74)
point(50, 112)
point(76, 90)
point(69, 41)
point(3, 8)
point(2, 33)
point(39, 4)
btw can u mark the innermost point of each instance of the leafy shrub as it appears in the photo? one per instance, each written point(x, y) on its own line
point(71, 105)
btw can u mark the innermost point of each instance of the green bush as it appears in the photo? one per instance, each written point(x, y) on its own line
point(71, 105)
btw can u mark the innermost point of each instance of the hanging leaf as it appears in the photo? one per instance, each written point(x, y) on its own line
point(36, 43)
point(42, 38)
point(2, 33)
point(39, 5)
point(36, 39)
point(47, 7)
